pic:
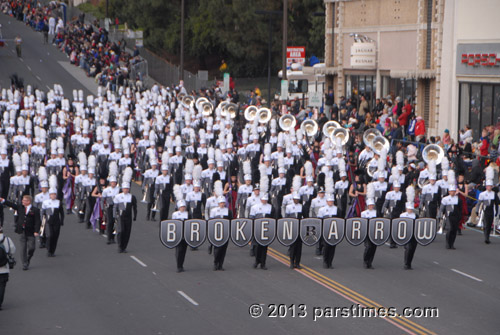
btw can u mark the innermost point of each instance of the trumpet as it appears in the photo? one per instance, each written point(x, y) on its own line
point(145, 191)
point(287, 122)
point(309, 127)
point(329, 127)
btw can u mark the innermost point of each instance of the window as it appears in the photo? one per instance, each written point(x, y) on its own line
point(479, 106)
point(356, 86)
point(298, 86)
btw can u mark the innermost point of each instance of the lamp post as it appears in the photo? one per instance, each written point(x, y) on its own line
point(181, 76)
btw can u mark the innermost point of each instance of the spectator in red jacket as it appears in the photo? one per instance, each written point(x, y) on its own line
point(485, 143)
point(420, 128)
point(403, 118)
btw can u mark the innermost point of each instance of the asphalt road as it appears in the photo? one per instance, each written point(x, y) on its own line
point(90, 288)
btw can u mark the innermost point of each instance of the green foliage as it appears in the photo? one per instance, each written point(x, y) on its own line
point(224, 29)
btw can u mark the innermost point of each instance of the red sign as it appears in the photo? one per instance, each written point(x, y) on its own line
point(480, 59)
point(295, 55)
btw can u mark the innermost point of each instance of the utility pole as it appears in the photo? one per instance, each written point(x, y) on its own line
point(285, 36)
point(269, 14)
point(181, 77)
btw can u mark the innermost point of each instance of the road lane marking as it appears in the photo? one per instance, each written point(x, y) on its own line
point(435, 263)
point(28, 67)
point(188, 298)
point(467, 275)
point(13, 51)
point(154, 273)
point(138, 261)
point(48, 87)
point(407, 325)
point(21, 59)
point(482, 232)
point(37, 77)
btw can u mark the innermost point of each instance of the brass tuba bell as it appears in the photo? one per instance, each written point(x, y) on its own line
point(369, 135)
point(188, 100)
point(342, 134)
point(309, 127)
point(329, 127)
point(251, 113)
point(264, 115)
point(379, 143)
point(433, 152)
point(287, 122)
point(230, 108)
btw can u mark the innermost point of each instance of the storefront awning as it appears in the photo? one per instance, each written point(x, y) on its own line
point(413, 74)
point(327, 70)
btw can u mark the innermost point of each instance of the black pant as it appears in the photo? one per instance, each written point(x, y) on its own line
point(52, 237)
point(328, 254)
point(89, 208)
point(488, 221)
point(124, 234)
point(27, 247)
point(219, 255)
point(4, 278)
point(451, 235)
point(149, 211)
point(369, 253)
point(165, 207)
point(110, 224)
point(410, 248)
point(260, 255)
point(296, 252)
point(180, 253)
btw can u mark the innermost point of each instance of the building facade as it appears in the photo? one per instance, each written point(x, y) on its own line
point(443, 55)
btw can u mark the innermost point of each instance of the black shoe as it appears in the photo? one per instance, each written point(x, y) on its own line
point(330, 266)
point(109, 242)
point(194, 249)
point(42, 245)
point(25, 267)
point(460, 232)
point(318, 252)
point(252, 253)
point(487, 241)
point(263, 267)
point(69, 212)
point(210, 250)
point(447, 247)
point(291, 266)
point(408, 267)
point(216, 267)
point(298, 266)
point(255, 265)
point(452, 248)
point(393, 246)
point(179, 270)
point(221, 268)
point(147, 217)
point(369, 266)
point(325, 266)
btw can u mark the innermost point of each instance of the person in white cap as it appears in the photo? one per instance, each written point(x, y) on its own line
point(341, 193)
point(451, 207)
point(163, 191)
point(39, 199)
point(262, 210)
point(279, 188)
point(220, 212)
point(196, 201)
point(411, 246)
point(53, 211)
point(394, 205)
point(307, 193)
point(148, 187)
point(125, 207)
point(180, 250)
point(370, 248)
point(252, 200)
point(431, 197)
point(244, 191)
point(489, 200)
point(294, 210)
point(329, 210)
point(107, 197)
point(188, 184)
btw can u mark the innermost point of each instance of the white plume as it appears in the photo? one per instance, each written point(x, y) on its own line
point(267, 149)
point(451, 177)
point(178, 192)
point(218, 188)
point(329, 185)
point(308, 167)
point(410, 194)
point(296, 183)
point(92, 162)
point(25, 158)
point(264, 179)
point(247, 168)
point(53, 181)
point(197, 172)
point(113, 169)
point(445, 164)
point(341, 165)
point(432, 167)
point(127, 175)
point(42, 173)
point(189, 166)
point(211, 153)
point(400, 158)
point(490, 173)
point(82, 158)
point(16, 160)
point(370, 191)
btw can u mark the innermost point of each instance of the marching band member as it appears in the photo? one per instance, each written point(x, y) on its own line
point(430, 197)
point(328, 211)
point(125, 207)
point(317, 203)
point(220, 212)
point(107, 196)
point(53, 211)
point(148, 186)
point(195, 200)
point(163, 190)
point(294, 210)
point(451, 207)
point(489, 201)
point(252, 200)
point(411, 246)
point(244, 191)
point(262, 210)
point(88, 186)
point(370, 247)
point(342, 189)
point(180, 250)
point(41, 197)
point(394, 205)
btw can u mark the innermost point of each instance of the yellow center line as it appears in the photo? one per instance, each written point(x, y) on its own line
point(350, 294)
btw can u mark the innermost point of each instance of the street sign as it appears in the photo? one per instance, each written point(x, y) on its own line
point(315, 99)
point(295, 55)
